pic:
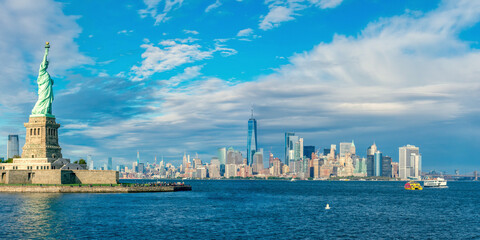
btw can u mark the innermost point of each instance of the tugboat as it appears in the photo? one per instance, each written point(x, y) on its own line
point(412, 185)
point(435, 183)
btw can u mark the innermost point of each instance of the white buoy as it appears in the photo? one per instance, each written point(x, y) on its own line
point(327, 207)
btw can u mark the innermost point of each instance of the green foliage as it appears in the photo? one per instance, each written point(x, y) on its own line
point(82, 161)
point(16, 156)
point(10, 160)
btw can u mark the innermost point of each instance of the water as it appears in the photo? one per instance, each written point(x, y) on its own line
point(249, 210)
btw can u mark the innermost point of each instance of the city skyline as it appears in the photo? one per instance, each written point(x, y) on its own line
point(165, 80)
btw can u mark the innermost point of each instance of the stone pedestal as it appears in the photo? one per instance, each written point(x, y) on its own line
point(41, 139)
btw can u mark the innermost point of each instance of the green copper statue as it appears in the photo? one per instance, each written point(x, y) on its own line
point(43, 107)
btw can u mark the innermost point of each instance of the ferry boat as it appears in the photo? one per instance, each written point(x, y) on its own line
point(412, 185)
point(435, 183)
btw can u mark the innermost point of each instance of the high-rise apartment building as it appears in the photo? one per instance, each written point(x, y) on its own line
point(252, 139)
point(410, 162)
point(12, 146)
point(90, 162)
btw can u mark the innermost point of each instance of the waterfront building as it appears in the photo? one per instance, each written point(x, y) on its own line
point(386, 166)
point(270, 160)
point(214, 168)
point(370, 165)
point(360, 169)
point(410, 162)
point(257, 165)
point(377, 164)
point(308, 151)
point(371, 159)
point(230, 170)
point(252, 139)
point(184, 162)
point(12, 146)
point(394, 169)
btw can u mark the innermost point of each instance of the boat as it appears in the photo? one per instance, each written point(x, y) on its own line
point(293, 180)
point(435, 183)
point(327, 207)
point(412, 185)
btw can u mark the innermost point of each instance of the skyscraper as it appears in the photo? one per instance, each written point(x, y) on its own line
point(386, 166)
point(90, 162)
point(377, 164)
point(252, 139)
point(12, 146)
point(308, 150)
point(110, 164)
point(371, 160)
point(293, 148)
point(287, 145)
point(257, 164)
point(410, 162)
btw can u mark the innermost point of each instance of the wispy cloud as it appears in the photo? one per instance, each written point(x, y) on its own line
point(124, 32)
point(173, 53)
point(153, 11)
point(245, 32)
point(190, 32)
point(214, 5)
point(286, 10)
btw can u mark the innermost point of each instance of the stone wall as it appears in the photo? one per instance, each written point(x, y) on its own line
point(92, 189)
point(58, 176)
point(96, 176)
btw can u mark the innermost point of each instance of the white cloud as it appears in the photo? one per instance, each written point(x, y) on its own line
point(25, 27)
point(153, 11)
point(214, 5)
point(245, 32)
point(173, 53)
point(190, 32)
point(286, 10)
point(125, 32)
point(188, 73)
point(399, 72)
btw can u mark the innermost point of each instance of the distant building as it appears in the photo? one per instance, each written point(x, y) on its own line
point(308, 150)
point(347, 148)
point(230, 170)
point(378, 164)
point(410, 162)
point(234, 156)
point(293, 148)
point(12, 146)
point(386, 166)
point(141, 168)
point(252, 139)
point(288, 146)
point(110, 163)
point(90, 162)
point(394, 169)
point(257, 165)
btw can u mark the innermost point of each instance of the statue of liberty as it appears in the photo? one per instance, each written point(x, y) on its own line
point(43, 107)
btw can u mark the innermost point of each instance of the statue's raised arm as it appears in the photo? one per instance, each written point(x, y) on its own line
point(43, 107)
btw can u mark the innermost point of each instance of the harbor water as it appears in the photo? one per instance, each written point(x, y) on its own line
point(250, 209)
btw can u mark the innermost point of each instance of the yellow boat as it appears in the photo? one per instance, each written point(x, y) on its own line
point(412, 185)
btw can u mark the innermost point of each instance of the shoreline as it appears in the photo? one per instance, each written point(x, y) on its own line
point(91, 189)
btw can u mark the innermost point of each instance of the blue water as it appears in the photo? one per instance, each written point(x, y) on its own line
point(250, 210)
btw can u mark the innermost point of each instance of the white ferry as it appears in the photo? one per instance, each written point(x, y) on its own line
point(435, 183)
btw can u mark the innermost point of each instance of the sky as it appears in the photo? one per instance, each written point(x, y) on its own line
point(165, 77)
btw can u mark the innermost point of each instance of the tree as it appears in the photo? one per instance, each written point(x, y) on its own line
point(16, 156)
point(80, 161)
point(10, 160)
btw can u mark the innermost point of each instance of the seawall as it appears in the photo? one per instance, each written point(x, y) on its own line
point(90, 189)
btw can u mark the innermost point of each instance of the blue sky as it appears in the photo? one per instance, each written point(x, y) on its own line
point(165, 77)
